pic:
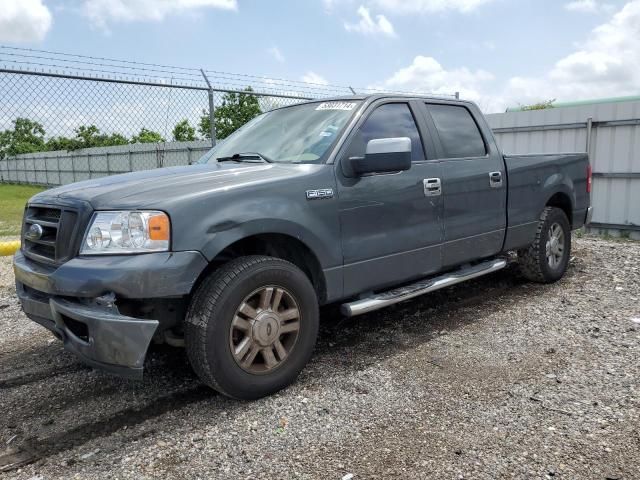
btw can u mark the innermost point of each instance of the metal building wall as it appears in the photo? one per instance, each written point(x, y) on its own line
point(614, 149)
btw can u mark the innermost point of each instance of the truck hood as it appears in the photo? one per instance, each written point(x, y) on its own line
point(155, 188)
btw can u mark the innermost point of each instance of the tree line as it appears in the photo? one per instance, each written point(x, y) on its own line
point(29, 136)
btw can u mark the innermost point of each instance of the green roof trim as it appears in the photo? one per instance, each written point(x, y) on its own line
point(579, 103)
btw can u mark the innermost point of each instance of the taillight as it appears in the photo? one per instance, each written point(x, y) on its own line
point(589, 179)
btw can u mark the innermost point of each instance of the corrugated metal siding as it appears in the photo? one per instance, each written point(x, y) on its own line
point(62, 167)
point(614, 152)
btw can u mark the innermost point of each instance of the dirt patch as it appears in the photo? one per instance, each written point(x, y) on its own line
point(495, 378)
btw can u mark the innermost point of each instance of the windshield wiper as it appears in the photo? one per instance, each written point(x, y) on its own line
point(239, 157)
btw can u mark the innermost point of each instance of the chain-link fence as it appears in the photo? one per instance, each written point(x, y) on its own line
point(67, 117)
point(76, 127)
point(63, 104)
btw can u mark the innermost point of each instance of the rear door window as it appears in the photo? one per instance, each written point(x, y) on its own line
point(458, 132)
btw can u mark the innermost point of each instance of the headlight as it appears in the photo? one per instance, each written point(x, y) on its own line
point(127, 232)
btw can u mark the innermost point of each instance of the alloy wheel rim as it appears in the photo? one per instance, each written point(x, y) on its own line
point(264, 329)
point(555, 245)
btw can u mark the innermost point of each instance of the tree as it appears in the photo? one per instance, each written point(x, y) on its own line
point(147, 136)
point(114, 139)
point(62, 143)
point(5, 142)
point(27, 136)
point(90, 136)
point(87, 136)
point(538, 106)
point(184, 132)
point(236, 110)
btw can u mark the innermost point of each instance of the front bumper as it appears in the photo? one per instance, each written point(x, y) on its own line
point(106, 340)
point(64, 300)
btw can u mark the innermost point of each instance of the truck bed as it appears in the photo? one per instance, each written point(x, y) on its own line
point(534, 179)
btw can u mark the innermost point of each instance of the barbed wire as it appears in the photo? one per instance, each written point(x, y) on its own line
point(29, 59)
point(196, 71)
point(192, 77)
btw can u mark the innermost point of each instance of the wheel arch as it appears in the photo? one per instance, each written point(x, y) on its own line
point(278, 245)
point(562, 201)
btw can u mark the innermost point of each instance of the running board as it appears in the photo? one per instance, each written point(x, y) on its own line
point(381, 300)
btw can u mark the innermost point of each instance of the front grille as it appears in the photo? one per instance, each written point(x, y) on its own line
point(58, 225)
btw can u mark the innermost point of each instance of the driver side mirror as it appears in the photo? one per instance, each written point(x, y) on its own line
point(383, 155)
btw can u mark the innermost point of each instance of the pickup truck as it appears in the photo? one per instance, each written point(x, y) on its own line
point(364, 201)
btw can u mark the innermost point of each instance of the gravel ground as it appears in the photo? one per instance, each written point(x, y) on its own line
point(496, 378)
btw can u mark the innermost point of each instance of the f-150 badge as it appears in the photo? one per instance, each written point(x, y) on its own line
point(319, 194)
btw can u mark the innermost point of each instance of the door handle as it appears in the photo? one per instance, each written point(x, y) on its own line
point(495, 179)
point(432, 187)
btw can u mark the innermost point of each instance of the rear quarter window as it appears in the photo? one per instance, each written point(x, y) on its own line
point(458, 131)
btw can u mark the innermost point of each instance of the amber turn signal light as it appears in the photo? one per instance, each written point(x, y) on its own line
point(159, 227)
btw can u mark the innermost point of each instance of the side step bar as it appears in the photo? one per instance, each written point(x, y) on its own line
point(381, 300)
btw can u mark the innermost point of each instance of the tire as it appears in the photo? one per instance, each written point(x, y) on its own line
point(232, 323)
point(535, 264)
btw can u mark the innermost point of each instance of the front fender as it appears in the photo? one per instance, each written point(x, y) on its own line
point(211, 221)
point(228, 233)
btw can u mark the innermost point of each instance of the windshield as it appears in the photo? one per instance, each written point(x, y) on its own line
point(297, 134)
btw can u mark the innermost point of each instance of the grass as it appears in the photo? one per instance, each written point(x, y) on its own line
point(12, 201)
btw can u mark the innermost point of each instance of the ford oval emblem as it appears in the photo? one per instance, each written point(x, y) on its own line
point(34, 232)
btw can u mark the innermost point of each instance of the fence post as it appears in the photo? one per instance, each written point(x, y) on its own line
point(589, 128)
point(212, 122)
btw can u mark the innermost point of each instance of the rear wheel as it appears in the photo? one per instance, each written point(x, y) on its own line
point(547, 258)
point(251, 326)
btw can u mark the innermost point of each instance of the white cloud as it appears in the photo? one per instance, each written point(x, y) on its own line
point(313, 77)
point(589, 6)
point(427, 75)
point(430, 6)
point(368, 26)
point(328, 5)
point(101, 12)
point(24, 21)
point(606, 64)
point(276, 53)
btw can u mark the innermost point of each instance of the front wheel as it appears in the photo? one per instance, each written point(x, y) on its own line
point(251, 326)
point(547, 258)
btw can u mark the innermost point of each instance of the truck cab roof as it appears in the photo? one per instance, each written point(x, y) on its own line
point(370, 98)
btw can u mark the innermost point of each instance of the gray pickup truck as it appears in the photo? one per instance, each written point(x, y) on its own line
point(365, 200)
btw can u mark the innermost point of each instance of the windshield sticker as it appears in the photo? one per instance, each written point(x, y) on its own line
point(336, 106)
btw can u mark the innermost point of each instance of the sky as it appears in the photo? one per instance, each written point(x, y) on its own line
point(499, 53)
